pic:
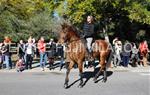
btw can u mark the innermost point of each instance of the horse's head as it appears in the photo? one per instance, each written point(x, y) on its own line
point(67, 32)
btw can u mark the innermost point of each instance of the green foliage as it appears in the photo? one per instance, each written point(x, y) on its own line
point(140, 35)
point(117, 17)
point(138, 11)
point(20, 19)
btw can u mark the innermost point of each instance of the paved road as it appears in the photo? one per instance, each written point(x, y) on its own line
point(51, 83)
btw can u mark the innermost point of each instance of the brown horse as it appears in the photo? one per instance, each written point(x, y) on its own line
point(76, 52)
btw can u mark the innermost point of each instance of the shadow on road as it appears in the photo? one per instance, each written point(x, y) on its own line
point(88, 75)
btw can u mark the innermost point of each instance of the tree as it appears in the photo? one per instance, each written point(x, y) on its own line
point(21, 18)
point(117, 17)
point(123, 18)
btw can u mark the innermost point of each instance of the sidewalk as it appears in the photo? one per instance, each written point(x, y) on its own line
point(57, 70)
point(131, 69)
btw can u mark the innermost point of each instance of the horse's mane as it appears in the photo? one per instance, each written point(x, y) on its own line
point(72, 30)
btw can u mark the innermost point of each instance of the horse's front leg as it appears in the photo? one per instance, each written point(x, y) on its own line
point(69, 67)
point(80, 66)
point(67, 78)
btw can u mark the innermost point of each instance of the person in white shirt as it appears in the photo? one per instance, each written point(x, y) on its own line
point(118, 50)
point(29, 51)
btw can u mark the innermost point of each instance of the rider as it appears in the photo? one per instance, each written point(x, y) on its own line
point(88, 30)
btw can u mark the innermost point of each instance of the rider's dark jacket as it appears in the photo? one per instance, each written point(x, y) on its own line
point(88, 30)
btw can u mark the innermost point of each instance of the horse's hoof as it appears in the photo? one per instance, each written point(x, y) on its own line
point(65, 86)
point(104, 80)
point(80, 86)
point(95, 80)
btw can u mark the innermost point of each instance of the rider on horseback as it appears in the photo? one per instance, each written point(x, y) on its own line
point(88, 30)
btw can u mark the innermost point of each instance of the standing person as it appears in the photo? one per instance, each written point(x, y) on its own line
point(7, 55)
point(117, 53)
point(7, 39)
point(134, 55)
point(1, 55)
point(21, 50)
point(126, 53)
point(51, 53)
point(88, 30)
point(43, 54)
point(143, 48)
point(29, 51)
point(35, 48)
point(114, 41)
point(60, 54)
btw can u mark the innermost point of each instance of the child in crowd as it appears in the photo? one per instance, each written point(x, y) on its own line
point(20, 65)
